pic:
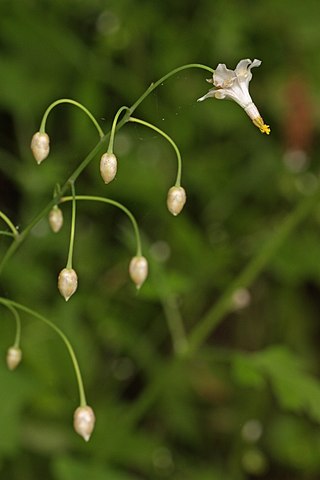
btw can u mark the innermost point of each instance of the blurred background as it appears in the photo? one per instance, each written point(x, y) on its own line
point(246, 404)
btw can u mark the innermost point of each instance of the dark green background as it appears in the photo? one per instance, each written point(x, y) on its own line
point(156, 418)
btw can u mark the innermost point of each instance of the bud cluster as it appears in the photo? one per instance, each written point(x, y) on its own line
point(84, 418)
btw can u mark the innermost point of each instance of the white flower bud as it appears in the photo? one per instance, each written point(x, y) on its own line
point(40, 146)
point(108, 167)
point(67, 282)
point(83, 421)
point(138, 270)
point(14, 356)
point(55, 219)
point(176, 199)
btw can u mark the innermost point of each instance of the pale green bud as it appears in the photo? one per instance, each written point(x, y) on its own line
point(55, 219)
point(176, 199)
point(83, 421)
point(67, 282)
point(14, 356)
point(40, 146)
point(138, 270)
point(108, 167)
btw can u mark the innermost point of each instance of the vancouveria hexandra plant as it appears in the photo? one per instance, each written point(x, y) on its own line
point(234, 85)
point(227, 84)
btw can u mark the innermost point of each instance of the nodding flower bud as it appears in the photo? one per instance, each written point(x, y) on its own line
point(83, 421)
point(14, 356)
point(40, 146)
point(55, 219)
point(138, 270)
point(176, 199)
point(108, 167)
point(67, 282)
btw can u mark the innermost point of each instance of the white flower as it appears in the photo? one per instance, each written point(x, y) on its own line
point(234, 85)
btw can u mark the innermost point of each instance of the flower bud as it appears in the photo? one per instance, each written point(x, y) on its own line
point(176, 199)
point(55, 219)
point(138, 270)
point(14, 356)
point(67, 282)
point(108, 167)
point(40, 146)
point(83, 421)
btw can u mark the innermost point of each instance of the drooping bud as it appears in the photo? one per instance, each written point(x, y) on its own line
point(67, 282)
point(55, 219)
point(40, 146)
point(14, 356)
point(138, 270)
point(108, 167)
point(176, 199)
point(83, 421)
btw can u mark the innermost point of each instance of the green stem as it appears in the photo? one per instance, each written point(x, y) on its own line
point(73, 102)
point(19, 239)
point(153, 86)
point(11, 303)
point(73, 227)
point(217, 313)
point(116, 204)
point(9, 223)
point(113, 128)
point(7, 234)
point(175, 324)
point(18, 325)
point(153, 127)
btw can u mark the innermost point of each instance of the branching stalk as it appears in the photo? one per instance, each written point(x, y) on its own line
point(116, 204)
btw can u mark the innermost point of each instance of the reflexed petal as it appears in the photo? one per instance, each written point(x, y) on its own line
point(211, 93)
point(242, 65)
point(255, 63)
point(243, 69)
point(222, 76)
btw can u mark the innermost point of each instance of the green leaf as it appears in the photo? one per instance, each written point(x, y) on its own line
point(295, 389)
point(245, 372)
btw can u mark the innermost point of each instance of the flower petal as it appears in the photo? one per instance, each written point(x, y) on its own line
point(208, 95)
point(223, 77)
point(243, 70)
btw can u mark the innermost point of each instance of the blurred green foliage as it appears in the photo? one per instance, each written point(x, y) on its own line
point(247, 404)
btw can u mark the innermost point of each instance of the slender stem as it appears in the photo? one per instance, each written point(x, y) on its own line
point(9, 223)
point(18, 325)
point(153, 86)
point(153, 127)
point(73, 227)
point(175, 324)
point(7, 234)
point(98, 148)
point(11, 303)
point(247, 276)
point(73, 102)
point(116, 204)
point(113, 128)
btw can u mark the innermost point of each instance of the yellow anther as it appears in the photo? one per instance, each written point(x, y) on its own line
point(265, 129)
point(261, 125)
